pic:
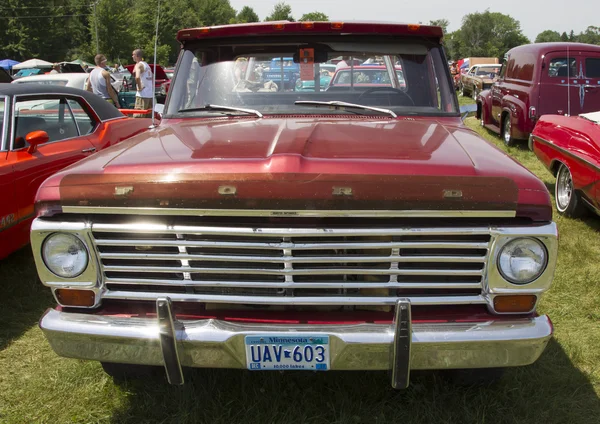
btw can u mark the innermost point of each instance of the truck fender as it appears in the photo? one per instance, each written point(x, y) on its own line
point(484, 103)
point(515, 109)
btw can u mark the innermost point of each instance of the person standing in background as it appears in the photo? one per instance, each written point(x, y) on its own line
point(99, 82)
point(143, 83)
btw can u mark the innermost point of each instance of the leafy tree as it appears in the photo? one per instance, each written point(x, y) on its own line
point(564, 37)
point(314, 17)
point(281, 12)
point(572, 36)
point(214, 12)
point(114, 38)
point(247, 14)
point(489, 34)
point(441, 23)
point(547, 36)
point(590, 36)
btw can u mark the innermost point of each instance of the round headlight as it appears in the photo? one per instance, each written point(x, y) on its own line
point(65, 255)
point(522, 260)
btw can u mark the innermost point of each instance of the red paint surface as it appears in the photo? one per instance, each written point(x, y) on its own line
point(197, 311)
point(22, 173)
point(575, 142)
point(296, 161)
point(289, 28)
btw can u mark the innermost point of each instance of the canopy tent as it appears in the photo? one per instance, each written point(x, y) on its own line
point(81, 62)
point(8, 63)
point(33, 63)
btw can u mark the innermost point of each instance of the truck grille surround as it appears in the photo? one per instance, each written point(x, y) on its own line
point(299, 265)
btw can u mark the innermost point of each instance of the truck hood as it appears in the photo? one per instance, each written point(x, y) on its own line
point(303, 163)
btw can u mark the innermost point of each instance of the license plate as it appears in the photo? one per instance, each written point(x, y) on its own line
point(305, 352)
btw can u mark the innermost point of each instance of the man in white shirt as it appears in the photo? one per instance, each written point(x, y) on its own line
point(143, 83)
point(342, 63)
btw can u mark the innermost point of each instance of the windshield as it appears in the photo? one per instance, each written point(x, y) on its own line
point(488, 71)
point(405, 76)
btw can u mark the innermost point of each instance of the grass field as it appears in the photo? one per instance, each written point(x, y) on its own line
point(562, 387)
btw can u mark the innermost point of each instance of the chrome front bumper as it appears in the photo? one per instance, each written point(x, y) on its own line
point(212, 343)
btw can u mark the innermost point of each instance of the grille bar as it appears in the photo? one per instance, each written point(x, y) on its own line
point(307, 301)
point(293, 259)
point(297, 285)
point(263, 271)
point(284, 231)
point(295, 246)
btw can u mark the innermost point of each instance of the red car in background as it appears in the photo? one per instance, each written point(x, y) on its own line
point(44, 128)
point(161, 76)
point(569, 146)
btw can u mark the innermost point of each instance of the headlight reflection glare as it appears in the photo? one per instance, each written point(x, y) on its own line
point(65, 255)
point(522, 260)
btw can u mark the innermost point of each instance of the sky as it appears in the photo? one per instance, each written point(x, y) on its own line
point(535, 16)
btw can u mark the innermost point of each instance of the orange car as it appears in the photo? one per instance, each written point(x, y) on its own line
point(44, 128)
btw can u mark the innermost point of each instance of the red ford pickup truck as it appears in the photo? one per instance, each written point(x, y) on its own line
point(260, 228)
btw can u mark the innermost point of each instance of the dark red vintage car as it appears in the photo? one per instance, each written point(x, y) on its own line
point(539, 79)
point(43, 129)
point(160, 75)
point(569, 146)
point(263, 229)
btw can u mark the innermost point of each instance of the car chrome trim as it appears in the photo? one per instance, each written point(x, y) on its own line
point(292, 213)
point(401, 345)
point(168, 341)
point(3, 141)
point(213, 343)
point(277, 265)
point(565, 151)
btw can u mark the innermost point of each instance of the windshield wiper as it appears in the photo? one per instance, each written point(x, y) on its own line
point(344, 105)
point(218, 108)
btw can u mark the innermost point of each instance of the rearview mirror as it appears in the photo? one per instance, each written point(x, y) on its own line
point(34, 139)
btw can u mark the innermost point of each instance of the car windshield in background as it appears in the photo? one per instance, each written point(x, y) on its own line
point(407, 77)
point(488, 71)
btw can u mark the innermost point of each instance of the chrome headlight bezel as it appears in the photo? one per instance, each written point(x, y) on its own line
point(74, 241)
point(495, 283)
point(513, 280)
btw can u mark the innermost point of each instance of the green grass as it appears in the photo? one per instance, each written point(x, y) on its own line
point(562, 387)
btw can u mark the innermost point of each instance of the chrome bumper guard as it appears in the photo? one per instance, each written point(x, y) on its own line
point(211, 343)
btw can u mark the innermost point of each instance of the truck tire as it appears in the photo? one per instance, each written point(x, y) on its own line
point(464, 92)
point(124, 372)
point(506, 132)
point(474, 377)
point(568, 201)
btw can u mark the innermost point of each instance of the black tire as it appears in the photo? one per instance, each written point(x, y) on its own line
point(506, 132)
point(125, 372)
point(463, 91)
point(475, 376)
point(568, 201)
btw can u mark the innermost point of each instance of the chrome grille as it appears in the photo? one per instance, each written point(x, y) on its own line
point(295, 266)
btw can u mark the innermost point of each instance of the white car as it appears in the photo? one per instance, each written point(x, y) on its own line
point(75, 80)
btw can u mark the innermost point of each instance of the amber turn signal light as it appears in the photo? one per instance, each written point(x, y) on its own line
point(337, 25)
point(514, 304)
point(71, 297)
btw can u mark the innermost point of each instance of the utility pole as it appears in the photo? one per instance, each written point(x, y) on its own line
point(96, 25)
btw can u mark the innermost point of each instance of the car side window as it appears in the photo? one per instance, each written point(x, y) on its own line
point(562, 67)
point(85, 122)
point(43, 114)
point(592, 67)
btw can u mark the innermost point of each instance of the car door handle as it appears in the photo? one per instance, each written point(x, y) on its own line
point(90, 150)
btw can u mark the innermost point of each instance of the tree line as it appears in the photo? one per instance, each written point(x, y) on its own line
point(57, 30)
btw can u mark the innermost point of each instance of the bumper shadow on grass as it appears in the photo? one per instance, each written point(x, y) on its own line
point(24, 298)
point(550, 391)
